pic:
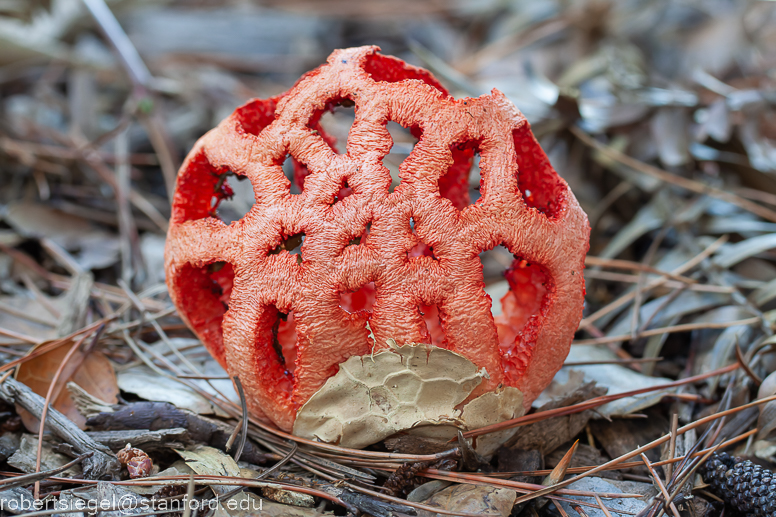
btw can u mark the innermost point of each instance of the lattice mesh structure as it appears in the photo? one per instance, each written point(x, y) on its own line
point(280, 322)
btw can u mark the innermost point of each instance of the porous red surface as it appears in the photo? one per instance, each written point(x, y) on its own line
point(405, 262)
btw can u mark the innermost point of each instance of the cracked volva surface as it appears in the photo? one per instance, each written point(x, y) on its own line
point(284, 324)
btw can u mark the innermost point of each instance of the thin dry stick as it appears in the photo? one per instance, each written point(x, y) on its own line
point(579, 510)
point(690, 473)
point(40, 350)
point(659, 484)
point(601, 506)
point(745, 365)
point(26, 479)
point(517, 485)
point(679, 181)
point(594, 402)
point(127, 228)
point(594, 216)
point(43, 415)
point(635, 314)
point(26, 316)
point(19, 336)
point(622, 300)
point(669, 284)
point(643, 448)
point(635, 266)
point(558, 506)
point(624, 464)
point(244, 422)
point(155, 324)
point(189, 496)
point(615, 361)
point(554, 497)
point(672, 445)
point(667, 330)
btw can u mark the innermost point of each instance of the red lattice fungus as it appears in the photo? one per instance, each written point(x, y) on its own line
point(284, 295)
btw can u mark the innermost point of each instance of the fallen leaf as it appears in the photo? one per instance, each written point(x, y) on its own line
point(482, 500)
point(92, 371)
point(210, 461)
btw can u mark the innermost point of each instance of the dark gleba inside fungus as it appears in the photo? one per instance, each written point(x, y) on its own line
point(375, 265)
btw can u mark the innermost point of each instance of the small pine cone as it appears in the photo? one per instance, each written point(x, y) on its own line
point(745, 486)
point(137, 462)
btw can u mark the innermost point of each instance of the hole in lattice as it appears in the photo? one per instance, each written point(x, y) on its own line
point(362, 299)
point(291, 244)
point(343, 192)
point(232, 197)
point(420, 248)
point(334, 123)
point(539, 184)
point(284, 341)
point(461, 183)
point(431, 316)
point(290, 167)
point(517, 289)
point(404, 140)
point(390, 70)
point(201, 188)
point(254, 116)
point(355, 241)
point(204, 299)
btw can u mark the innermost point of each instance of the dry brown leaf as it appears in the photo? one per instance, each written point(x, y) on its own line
point(483, 500)
point(92, 371)
point(767, 420)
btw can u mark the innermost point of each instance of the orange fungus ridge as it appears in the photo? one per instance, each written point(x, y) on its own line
point(374, 264)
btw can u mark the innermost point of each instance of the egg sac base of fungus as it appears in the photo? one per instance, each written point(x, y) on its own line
point(375, 264)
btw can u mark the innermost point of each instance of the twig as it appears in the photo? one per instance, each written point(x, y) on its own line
point(592, 403)
point(615, 361)
point(283, 461)
point(672, 445)
point(667, 330)
point(244, 423)
point(641, 449)
point(619, 302)
point(659, 484)
point(132, 61)
point(745, 365)
point(669, 284)
point(601, 505)
point(687, 184)
point(19, 336)
point(26, 479)
point(100, 465)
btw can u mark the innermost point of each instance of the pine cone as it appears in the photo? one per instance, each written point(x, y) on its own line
point(745, 486)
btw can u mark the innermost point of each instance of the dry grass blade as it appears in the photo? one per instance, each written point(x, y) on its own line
point(745, 365)
point(26, 479)
point(668, 330)
point(672, 445)
point(635, 266)
point(189, 496)
point(243, 419)
point(626, 298)
point(643, 448)
point(673, 179)
point(660, 485)
point(595, 402)
point(601, 506)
